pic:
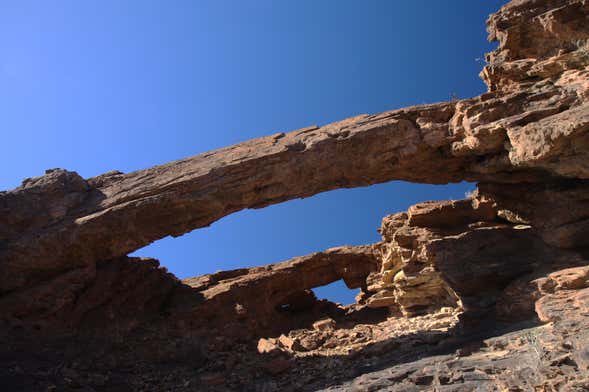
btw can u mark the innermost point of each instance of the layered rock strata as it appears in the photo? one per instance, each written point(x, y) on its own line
point(515, 251)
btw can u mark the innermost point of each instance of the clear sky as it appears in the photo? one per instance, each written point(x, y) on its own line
point(101, 85)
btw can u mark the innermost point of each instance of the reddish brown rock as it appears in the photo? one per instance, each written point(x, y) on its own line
point(275, 297)
point(563, 293)
point(574, 278)
point(325, 324)
point(277, 366)
point(557, 211)
point(500, 137)
point(430, 255)
point(538, 40)
point(515, 250)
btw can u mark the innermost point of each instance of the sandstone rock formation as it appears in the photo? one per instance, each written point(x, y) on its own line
point(449, 299)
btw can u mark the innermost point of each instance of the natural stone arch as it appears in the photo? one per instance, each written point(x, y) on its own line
point(522, 131)
point(64, 239)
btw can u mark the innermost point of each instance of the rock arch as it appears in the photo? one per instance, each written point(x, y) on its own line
point(64, 240)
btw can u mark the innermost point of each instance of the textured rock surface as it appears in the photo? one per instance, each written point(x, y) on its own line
point(450, 299)
point(120, 295)
point(272, 298)
point(435, 250)
point(503, 136)
point(549, 357)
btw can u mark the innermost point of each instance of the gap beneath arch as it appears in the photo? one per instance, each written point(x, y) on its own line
point(337, 292)
point(294, 228)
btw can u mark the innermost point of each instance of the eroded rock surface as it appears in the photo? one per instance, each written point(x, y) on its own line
point(486, 293)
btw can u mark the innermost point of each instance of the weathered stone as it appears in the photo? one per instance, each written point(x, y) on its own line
point(267, 346)
point(574, 278)
point(557, 211)
point(312, 342)
point(323, 325)
point(276, 296)
point(502, 137)
point(277, 366)
point(516, 249)
point(288, 342)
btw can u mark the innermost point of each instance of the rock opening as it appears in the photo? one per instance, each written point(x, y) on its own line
point(439, 291)
point(336, 292)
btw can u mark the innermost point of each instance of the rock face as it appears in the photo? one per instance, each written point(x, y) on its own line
point(273, 298)
point(446, 300)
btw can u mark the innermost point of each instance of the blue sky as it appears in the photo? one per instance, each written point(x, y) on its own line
point(95, 86)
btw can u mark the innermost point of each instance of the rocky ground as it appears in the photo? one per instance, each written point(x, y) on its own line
point(430, 352)
point(489, 293)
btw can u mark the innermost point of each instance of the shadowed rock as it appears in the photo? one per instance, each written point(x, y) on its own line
point(515, 250)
